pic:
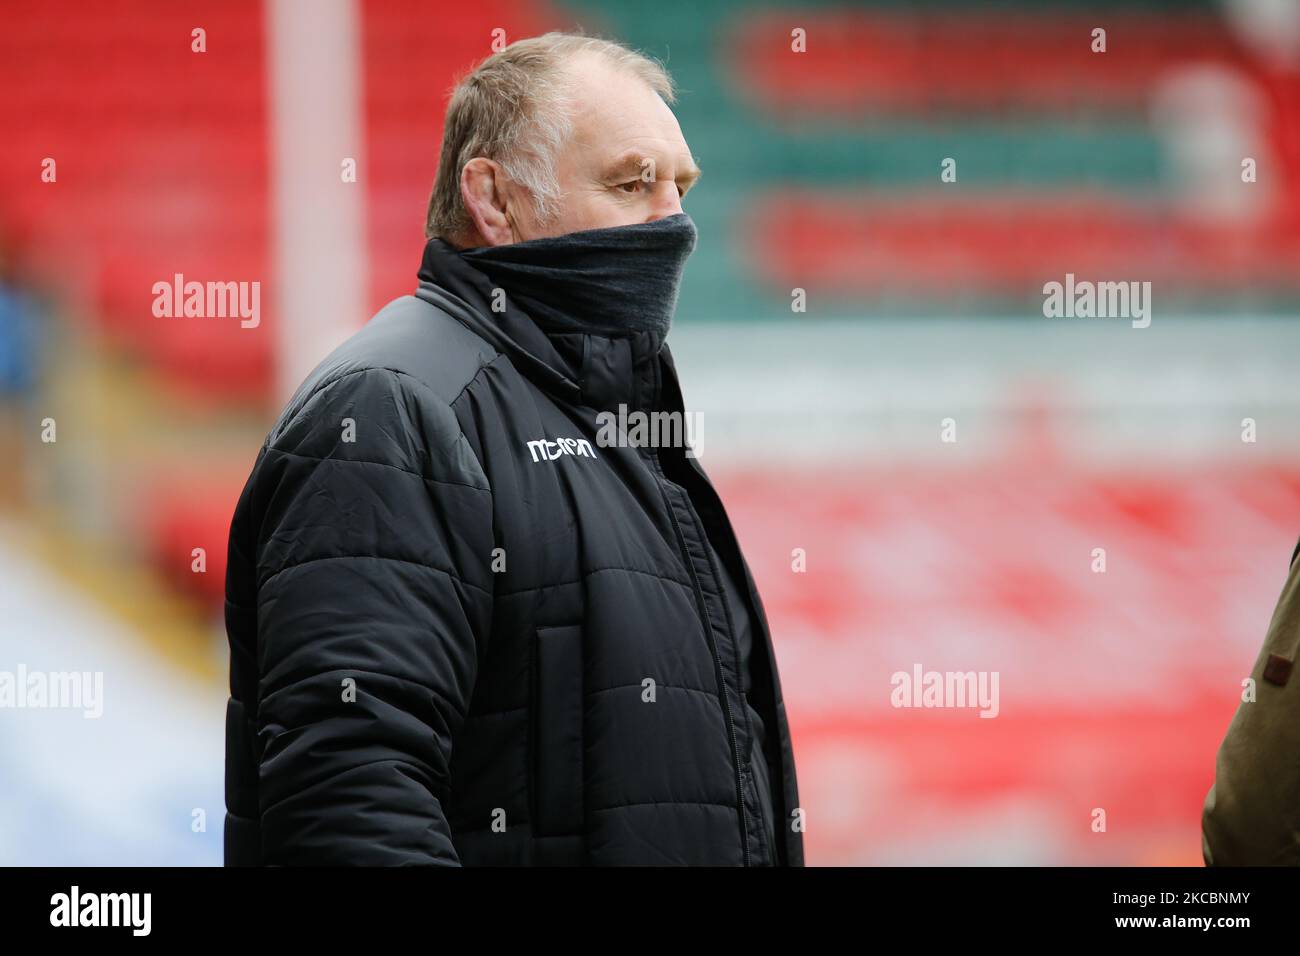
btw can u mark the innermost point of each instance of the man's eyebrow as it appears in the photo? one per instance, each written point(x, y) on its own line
point(691, 173)
point(628, 163)
point(634, 164)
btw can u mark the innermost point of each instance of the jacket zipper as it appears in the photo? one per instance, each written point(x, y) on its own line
point(717, 657)
point(752, 604)
point(779, 851)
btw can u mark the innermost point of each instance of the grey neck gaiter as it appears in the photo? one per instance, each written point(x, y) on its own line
point(612, 281)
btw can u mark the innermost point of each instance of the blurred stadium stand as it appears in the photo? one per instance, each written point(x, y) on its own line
point(821, 171)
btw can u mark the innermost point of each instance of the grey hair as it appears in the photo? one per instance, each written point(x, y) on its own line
point(515, 108)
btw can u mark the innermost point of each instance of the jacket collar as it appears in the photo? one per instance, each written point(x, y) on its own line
point(597, 368)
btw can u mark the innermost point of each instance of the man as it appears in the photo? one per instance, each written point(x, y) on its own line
point(1251, 815)
point(463, 628)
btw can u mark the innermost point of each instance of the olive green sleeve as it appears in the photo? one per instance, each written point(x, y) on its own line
point(1251, 815)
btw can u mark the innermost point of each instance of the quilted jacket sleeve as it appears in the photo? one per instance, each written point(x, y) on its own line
point(373, 597)
point(1251, 815)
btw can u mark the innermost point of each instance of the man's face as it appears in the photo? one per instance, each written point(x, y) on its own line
point(626, 162)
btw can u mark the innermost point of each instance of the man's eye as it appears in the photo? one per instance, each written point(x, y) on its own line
point(635, 185)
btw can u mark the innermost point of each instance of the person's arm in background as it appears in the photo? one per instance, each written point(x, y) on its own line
point(1251, 815)
point(373, 561)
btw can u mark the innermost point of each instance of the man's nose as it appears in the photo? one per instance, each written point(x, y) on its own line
point(667, 202)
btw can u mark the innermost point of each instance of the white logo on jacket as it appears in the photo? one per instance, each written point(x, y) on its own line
point(544, 450)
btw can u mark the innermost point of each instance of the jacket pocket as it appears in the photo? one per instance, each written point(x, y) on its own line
point(556, 730)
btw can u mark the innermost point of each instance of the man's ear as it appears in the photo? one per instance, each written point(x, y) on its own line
point(482, 189)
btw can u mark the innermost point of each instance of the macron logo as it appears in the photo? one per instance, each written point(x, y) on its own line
point(544, 450)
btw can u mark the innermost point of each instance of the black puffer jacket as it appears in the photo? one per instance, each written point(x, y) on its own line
point(449, 648)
